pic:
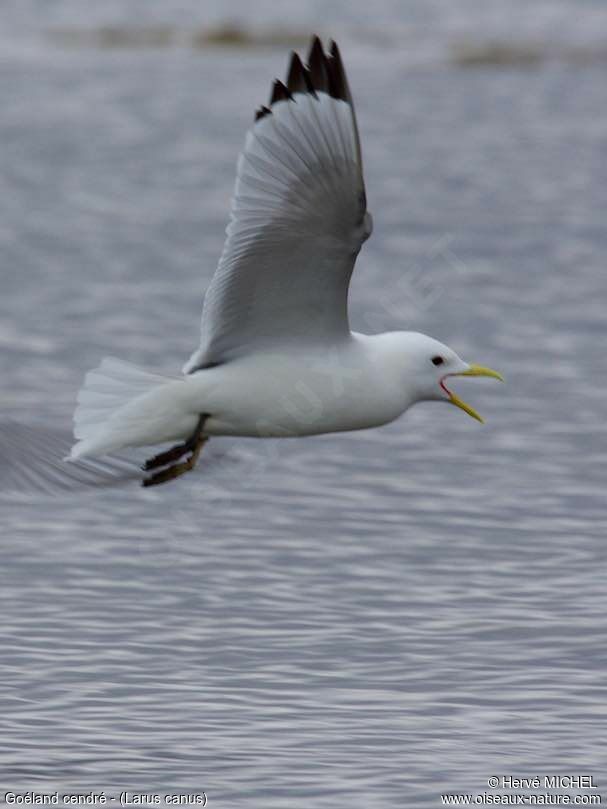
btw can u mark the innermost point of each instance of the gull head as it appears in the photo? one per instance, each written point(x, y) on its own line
point(433, 364)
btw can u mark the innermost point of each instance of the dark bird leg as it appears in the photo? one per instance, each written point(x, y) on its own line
point(172, 454)
point(176, 452)
point(194, 444)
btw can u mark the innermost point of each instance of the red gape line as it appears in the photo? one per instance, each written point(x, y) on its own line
point(444, 387)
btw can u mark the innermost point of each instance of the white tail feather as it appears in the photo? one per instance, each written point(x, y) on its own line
point(115, 409)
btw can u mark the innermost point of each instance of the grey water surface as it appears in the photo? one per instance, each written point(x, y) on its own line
point(367, 619)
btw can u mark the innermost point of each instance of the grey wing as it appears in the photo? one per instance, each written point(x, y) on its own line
point(297, 223)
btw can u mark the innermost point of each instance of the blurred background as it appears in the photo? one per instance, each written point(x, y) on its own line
point(378, 617)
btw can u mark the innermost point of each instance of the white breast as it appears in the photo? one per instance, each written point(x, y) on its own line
point(348, 386)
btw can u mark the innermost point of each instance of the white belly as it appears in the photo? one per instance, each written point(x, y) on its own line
point(296, 394)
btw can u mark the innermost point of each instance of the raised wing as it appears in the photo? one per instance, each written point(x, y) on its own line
point(298, 220)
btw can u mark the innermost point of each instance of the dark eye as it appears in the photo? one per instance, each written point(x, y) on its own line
point(437, 360)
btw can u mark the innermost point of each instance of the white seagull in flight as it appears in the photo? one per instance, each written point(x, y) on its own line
point(277, 357)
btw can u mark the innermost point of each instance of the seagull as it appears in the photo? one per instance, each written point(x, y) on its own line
point(277, 357)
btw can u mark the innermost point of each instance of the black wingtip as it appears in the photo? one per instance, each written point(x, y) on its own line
point(338, 84)
point(323, 73)
point(317, 65)
point(262, 112)
point(315, 45)
point(279, 92)
point(296, 79)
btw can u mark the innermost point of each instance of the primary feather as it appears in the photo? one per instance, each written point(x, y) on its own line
point(297, 223)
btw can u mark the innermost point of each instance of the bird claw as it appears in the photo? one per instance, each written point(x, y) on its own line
point(164, 458)
point(170, 473)
point(194, 444)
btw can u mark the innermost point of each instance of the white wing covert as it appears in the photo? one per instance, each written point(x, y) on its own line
point(297, 222)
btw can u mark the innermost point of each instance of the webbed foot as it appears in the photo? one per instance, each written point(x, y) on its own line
point(194, 444)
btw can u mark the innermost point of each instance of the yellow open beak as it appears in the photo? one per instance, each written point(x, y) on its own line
point(473, 370)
